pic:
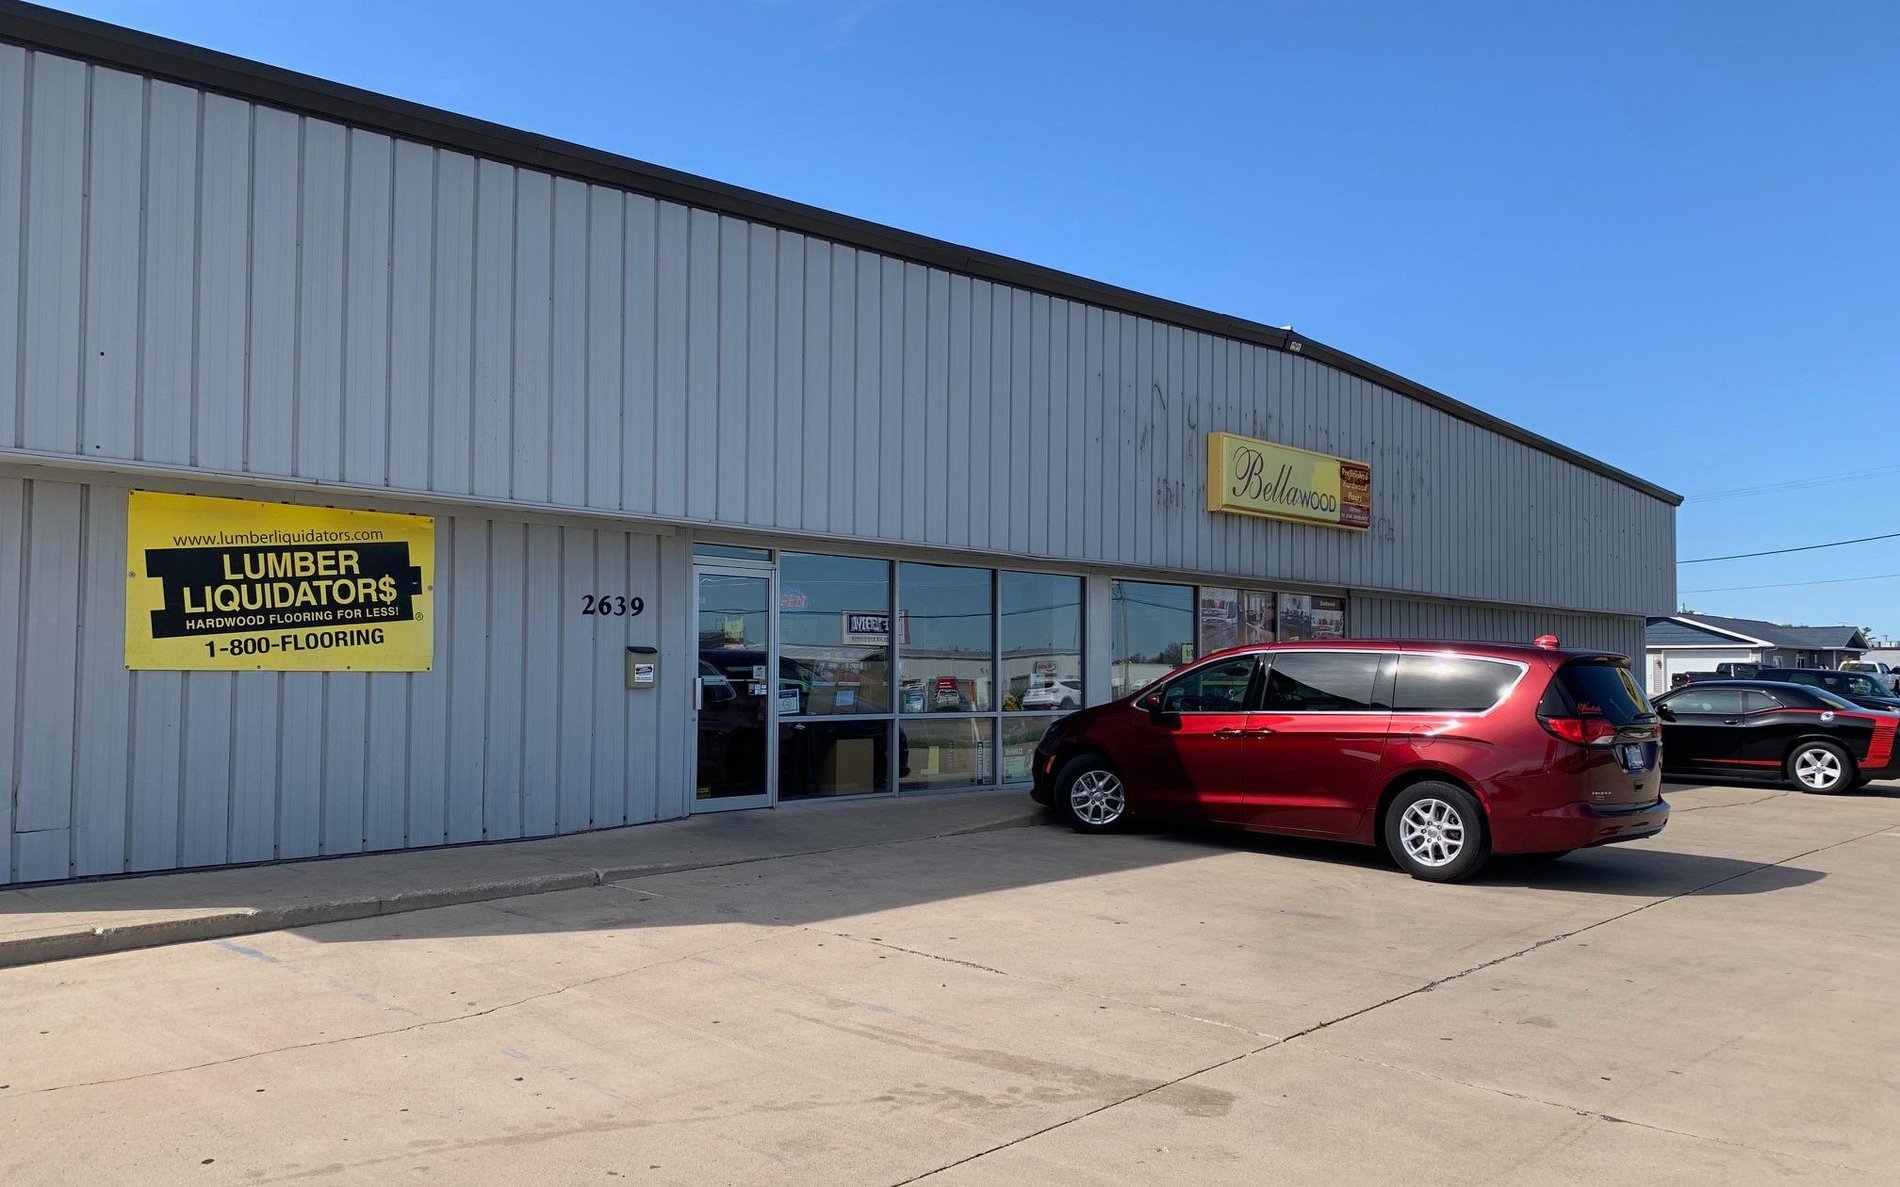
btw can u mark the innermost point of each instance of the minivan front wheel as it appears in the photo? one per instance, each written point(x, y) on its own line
point(1435, 832)
point(1090, 795)
point(1820, 767)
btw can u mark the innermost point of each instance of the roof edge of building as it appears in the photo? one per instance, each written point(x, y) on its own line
point(41, 28)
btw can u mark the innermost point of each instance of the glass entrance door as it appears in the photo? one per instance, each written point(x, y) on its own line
point(734, 711)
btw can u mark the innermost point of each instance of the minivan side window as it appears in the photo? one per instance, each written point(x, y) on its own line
point(1216, 688)
point(1451, 683)
point(1323, 682)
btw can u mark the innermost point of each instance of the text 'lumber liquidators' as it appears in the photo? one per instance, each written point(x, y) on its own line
point(230, 584)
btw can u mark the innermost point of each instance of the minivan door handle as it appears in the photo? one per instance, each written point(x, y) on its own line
point(1228, 735)
point(1731, 721)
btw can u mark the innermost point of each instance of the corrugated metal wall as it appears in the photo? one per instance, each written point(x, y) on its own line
point(1403, 618)
point(525, 726)
point(196, 280)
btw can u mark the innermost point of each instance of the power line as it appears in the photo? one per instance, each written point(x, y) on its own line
point(1769, 488)
point(1703, 560)
point(1791, 584)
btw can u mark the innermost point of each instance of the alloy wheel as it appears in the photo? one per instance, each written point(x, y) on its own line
point(1096, 797)
point(1432, 832)
point(1818, 769)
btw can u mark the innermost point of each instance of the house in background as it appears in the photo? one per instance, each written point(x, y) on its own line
point(1698, 642)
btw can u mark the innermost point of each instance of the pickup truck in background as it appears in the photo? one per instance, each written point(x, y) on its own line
point(1884, 673)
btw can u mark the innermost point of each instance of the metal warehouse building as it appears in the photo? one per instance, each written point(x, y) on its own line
point(372, 477)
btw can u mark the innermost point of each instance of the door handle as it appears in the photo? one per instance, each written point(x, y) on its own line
point(1228, 735)
point(1731, 721)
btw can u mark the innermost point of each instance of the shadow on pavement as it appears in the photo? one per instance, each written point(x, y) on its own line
point(1636, 870)
point(863, 884)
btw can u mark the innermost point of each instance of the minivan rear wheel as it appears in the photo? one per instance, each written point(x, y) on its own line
point(1435, 832)
point(1090, 795)
point(1820, 767)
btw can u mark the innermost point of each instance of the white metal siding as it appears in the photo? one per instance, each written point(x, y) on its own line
point(208, 282)
point(523, 728)
point(1403, 618)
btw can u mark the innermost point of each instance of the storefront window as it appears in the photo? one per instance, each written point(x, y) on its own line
point(1020, 735)
point(825, 758)
point(834, 617)
point(737, 552)
point(947, 639)
point(1042, 641)
point(1235, 617)
point(1153, 632)
point(1305, 616)
point(948, 752)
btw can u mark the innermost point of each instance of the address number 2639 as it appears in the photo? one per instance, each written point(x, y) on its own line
point(617, 605)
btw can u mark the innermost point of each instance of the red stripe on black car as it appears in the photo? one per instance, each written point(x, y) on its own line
point(1881, 751)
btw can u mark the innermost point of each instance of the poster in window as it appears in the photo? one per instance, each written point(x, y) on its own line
point(1296, 617)
point(1256, 617)
point(1220, 618)
point(1329, 618)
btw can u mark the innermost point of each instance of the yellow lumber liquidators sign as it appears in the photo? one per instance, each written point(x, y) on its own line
point(228, 584)
point(1250, 477)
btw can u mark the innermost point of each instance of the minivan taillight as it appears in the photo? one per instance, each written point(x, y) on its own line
point(1581, 731)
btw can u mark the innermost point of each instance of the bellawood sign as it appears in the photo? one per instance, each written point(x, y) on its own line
point(1249, 477)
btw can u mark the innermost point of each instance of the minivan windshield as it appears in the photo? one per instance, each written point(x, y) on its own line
point(1603, 688)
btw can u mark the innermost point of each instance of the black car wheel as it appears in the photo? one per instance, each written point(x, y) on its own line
point(1820, 767)
point(1435, 832)
point(1090, 795)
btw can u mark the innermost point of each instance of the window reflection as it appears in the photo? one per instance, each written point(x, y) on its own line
point(834, 618)
point(1020, 735)
point(945, 623)
point(1042, 641)
point(950, 752)
point(826, 758)
point(1153, 632)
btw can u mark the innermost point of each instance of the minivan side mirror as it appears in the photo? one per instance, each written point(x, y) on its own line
point(1152, 704)
point(1665, 712)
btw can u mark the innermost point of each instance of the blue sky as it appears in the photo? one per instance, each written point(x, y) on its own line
point(1663, 234)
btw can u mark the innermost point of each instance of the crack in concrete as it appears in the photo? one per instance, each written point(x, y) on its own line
point(396, 1030)
point(1042, 984)
point(1103, 1108)
point(1773, 795)
point(1581, 1110)
point(1428, 987)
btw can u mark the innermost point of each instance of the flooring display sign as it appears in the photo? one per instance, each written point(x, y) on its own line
point(236, 585)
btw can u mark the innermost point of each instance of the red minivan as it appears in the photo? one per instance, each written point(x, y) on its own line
point(1441, 753)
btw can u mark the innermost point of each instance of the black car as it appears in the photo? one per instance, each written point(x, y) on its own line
point(1864, 690)
point(1807, 737)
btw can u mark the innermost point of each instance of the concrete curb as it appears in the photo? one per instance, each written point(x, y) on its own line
point(224, 923)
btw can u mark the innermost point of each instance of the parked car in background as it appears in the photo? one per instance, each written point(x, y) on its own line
point(1052, 693)
point(1885, 673)
point(1804, 736)
point(1444, 754)
point(1682, 678)
point(1864, 690)
point(1737, 671)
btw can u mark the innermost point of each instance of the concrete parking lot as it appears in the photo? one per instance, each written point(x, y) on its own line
point(1711, 1006)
